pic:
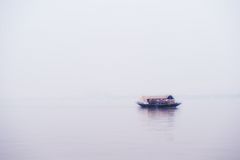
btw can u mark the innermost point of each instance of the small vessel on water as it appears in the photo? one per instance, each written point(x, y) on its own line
point(158, 101)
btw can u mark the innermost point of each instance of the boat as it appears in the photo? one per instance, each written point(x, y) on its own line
point(158, 101)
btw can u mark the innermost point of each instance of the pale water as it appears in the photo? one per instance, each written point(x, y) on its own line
point(117, 129)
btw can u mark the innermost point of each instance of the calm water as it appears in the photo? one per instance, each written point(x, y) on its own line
point(202, 129)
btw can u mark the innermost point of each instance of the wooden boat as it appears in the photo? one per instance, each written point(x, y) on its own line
point(158, 101)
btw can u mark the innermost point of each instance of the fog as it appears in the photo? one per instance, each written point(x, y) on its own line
point(71, 72)
point(72, 49)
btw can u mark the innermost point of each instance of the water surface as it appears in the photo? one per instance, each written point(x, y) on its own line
point(201, 129)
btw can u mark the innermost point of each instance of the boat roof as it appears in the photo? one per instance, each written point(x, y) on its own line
point(145, 98)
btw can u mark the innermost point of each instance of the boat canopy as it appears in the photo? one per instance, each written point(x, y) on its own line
point(146, 98)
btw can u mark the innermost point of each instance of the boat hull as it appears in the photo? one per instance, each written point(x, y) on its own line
point(158, 105)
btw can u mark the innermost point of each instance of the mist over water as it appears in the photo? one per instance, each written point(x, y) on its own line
point(78, 49)
point(71, 72)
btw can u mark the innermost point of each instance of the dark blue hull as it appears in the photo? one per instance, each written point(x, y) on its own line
point(159, 105)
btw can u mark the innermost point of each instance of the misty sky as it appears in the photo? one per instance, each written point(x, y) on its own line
point(57, 48)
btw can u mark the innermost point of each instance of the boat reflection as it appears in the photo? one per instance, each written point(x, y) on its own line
point(161, 120)
point(159, 113)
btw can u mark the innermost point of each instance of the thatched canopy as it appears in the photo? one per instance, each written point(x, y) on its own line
point(145, 98)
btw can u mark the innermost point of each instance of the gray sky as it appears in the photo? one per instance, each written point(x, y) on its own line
point(130, 47)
